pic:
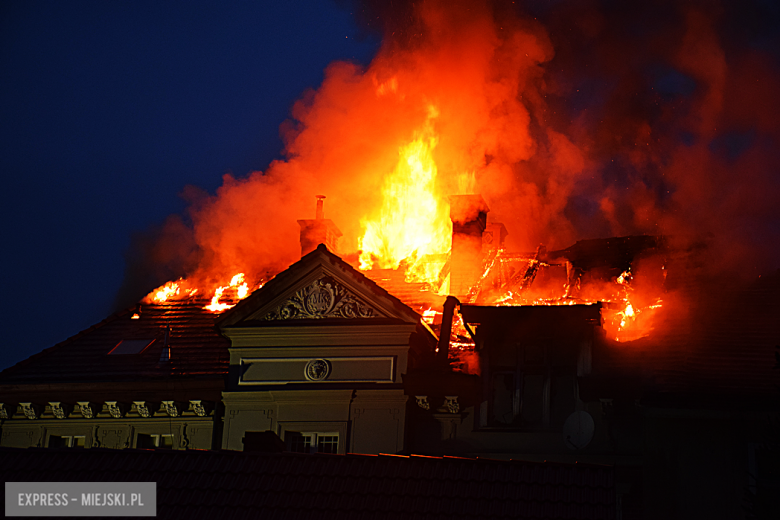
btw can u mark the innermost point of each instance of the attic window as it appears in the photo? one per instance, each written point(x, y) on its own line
point(130, 346)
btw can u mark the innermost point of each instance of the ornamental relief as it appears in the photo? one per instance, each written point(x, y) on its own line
point(325, 298)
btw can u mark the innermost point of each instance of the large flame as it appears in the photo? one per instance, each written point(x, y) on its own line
point(413, 221)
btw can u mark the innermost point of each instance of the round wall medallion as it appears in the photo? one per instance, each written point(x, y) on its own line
point(317, 370)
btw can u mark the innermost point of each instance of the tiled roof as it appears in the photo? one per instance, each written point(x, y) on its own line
point(710, 341)
point(196, 348)
point(236, 485)
point(415, 295)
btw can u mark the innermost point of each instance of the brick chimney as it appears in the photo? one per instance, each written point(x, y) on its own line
point(469, 219)
point(321, 230)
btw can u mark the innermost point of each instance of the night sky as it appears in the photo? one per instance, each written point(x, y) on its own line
point(109, 109)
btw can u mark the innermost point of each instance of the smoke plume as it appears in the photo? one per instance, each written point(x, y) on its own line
point(573, 121)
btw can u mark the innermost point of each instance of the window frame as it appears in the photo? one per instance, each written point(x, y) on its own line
point(317, 430)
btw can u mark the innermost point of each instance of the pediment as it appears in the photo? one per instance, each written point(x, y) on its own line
point(323, 298)
point(320, 287)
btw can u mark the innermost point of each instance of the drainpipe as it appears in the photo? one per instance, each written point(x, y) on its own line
point(442, 356)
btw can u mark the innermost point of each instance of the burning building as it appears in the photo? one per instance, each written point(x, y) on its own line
point(450, 306)
point(331, 361)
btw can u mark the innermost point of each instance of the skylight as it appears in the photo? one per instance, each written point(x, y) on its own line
point(131, 346)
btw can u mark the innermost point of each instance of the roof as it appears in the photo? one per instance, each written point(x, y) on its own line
point(196, 348)
point(291, 276)
point(236, 485)
point(182, 325)
point(416, 295)
point(717, 340)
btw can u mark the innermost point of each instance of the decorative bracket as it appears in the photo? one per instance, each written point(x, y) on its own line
point(422, 402)
point(170, 408)
point(451, 402)
point(115, 409)
point(57, 409)
point(142, 409)
point(29, 410)
point(198, 407)
point(3, 411)
point(86, 409)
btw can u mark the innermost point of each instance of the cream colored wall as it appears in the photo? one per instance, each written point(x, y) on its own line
point(376, 417)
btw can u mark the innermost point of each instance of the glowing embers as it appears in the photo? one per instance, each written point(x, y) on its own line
point(412, 225)
point(630, 302)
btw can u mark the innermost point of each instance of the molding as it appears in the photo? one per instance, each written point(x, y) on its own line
point(58, 410)
point(323, 298)
point(142, 409)
point(303, 396)
point(171, 408)
point(114, 409)
point(317, 370)
point(184, 441)
point(358, 335)
point(311, 268)
point(86, 409)
point(30, 410)
point(320, 369)
point(198, 407)
point(451, 403)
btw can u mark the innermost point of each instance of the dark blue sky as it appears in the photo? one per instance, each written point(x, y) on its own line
point(108, 109)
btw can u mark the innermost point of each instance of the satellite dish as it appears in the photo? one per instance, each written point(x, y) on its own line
point(578, 430)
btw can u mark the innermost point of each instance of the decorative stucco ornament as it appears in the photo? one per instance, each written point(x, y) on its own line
point(114, 409)
point(198, 408)
point(29, 410)
point(317, 370)
point(142, 408)
point(86, 409)
point(57, 410)
point(451, 402)
point(422, 402)
point(324, 298)
point(3, 411)
point(170, 408)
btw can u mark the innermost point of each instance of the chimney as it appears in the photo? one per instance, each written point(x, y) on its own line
point(469, 219)
point(494, 237)
point(319, 231)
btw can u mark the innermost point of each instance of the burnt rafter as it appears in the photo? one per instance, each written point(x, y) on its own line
point(523, 279)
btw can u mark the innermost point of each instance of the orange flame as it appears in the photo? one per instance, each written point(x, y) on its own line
point(162, 294)
point(241, 292)
point(413, 222)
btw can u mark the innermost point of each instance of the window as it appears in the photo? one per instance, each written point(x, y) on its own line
point(67, 441)
point(520, 386)
point(312, 442)
point(154, 441)
point(130, 346)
